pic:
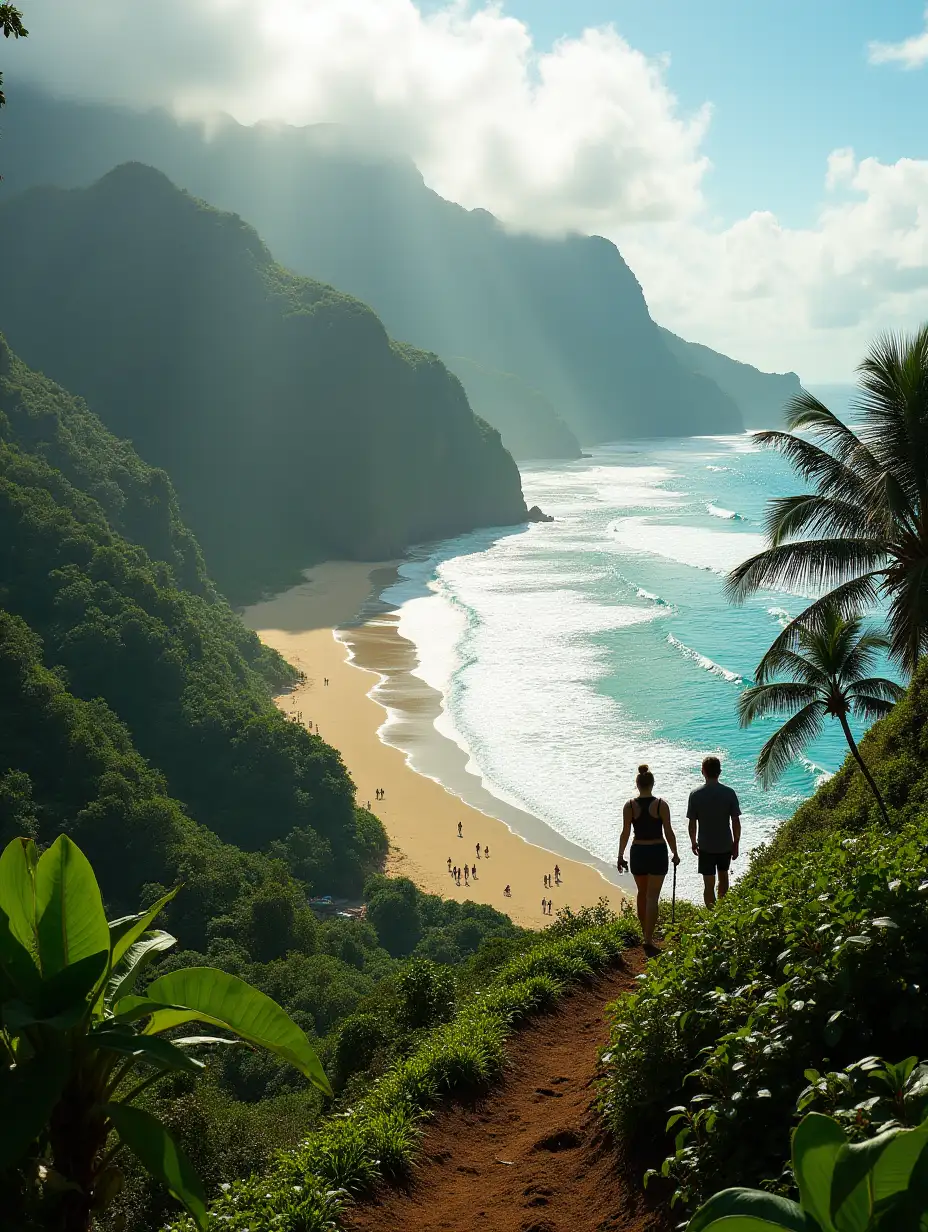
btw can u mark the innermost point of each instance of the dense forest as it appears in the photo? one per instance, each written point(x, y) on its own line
point(136, 716)
point(564, 315)
point(290, 424)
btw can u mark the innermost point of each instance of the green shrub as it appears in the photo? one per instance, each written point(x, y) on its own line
point(305, 1188)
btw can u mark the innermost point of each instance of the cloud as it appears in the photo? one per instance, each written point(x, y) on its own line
point(910, 53)
point(586, 135)
point(809, 298)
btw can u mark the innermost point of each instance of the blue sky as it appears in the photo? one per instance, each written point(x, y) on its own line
point(788, 83)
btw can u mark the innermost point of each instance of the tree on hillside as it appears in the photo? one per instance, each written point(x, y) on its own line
point(827, 671)
point(862, 534)
point(11, 23)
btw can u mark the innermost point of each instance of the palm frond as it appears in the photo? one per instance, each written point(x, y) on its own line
point(894, 401)
point(785, 745)
point(861, 654)
point(807, 413)
point(807, 565)
point(830, 475)
point(783, 660)
point(811, 512)
point(908, 615)
point(878, 686)
point(780, 697)
point(867, 707)
point(846, 600)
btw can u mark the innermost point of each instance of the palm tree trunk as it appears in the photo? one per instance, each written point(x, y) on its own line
point(852, 743)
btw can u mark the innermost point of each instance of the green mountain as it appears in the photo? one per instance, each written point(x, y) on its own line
point(525, 419)
point(566, 316)
point(110, 586)
point(290, 424)
point(760, 396)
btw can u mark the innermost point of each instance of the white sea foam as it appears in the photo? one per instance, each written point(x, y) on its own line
point(704, 662)
point(717, 550)
point(780, 615)
point(730, 515)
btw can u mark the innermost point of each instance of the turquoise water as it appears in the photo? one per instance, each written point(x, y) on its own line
point(569, 652)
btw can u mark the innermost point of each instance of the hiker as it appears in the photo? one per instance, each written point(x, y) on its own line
point(460, 829)
point(715, 829)
point(650, 820)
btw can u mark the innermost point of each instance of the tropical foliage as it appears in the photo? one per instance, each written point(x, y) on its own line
point(862, 534)
point(377, 1137)
point(876, 1186)
point(815, 960)
point(829, 674)
point(80, 1044)
point(11, 26)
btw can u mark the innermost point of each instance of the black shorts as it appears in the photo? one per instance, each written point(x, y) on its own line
point(709, 861)
point(649, 859)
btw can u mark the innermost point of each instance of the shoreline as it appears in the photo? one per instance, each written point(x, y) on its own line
point(381, 718)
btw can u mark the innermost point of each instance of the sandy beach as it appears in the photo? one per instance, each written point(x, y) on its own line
point(331, 630)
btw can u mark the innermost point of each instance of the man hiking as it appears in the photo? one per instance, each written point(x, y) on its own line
point(715, 829)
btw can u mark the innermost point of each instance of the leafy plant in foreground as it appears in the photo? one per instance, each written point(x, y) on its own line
point(829, 674)
point(876, 1186)
point(75, 1034)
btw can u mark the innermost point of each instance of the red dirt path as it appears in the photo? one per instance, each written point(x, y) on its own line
point(530, 1156)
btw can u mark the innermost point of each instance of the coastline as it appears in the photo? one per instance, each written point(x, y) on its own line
point(329, 628)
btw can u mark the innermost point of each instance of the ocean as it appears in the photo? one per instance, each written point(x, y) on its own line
point(568, 652)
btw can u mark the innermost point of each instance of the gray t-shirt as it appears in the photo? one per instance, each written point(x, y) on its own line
point(713, 806)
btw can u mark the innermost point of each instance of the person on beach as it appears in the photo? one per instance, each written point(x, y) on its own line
point(473, 872)
point(544, 906)
point(715, 829)
point(650, 820)
point(508, 892)
point(466, 875)
point(449, 864)
point(557, 875)
point(486, 853)
point(478, 851)
point(460, 829)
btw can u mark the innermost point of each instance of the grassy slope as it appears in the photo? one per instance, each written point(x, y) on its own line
point(377, 1138)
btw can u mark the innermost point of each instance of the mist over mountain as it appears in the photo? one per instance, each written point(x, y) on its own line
point(291, 425)
point(566, 316)
point(761, 396)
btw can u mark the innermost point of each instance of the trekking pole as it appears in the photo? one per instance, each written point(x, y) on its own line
point(673, 901)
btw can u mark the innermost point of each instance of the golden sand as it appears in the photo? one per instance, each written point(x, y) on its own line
point(313, 626)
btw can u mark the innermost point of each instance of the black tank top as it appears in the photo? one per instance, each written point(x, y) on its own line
point(646, 826)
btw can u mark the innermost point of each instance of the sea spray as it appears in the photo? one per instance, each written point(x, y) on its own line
point(704, 662)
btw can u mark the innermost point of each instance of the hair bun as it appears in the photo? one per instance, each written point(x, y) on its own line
point(643, 768)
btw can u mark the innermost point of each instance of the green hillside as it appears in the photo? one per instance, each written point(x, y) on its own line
point(290, 424)
point(764, 1008)
point(565, 315)
point(136, 716)
point(524, 417)
point(760, 396)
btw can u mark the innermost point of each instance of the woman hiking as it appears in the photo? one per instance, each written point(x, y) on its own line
point(649, 818)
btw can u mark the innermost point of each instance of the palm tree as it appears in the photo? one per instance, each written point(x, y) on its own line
point(827, 674)
point(863, 533)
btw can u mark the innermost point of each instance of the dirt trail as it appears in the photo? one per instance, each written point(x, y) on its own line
point(531, 1155)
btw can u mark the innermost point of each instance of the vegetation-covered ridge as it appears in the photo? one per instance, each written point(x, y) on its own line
point(376, 1136)
point(814, 962)
point(290, 424)
point(565, 315)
